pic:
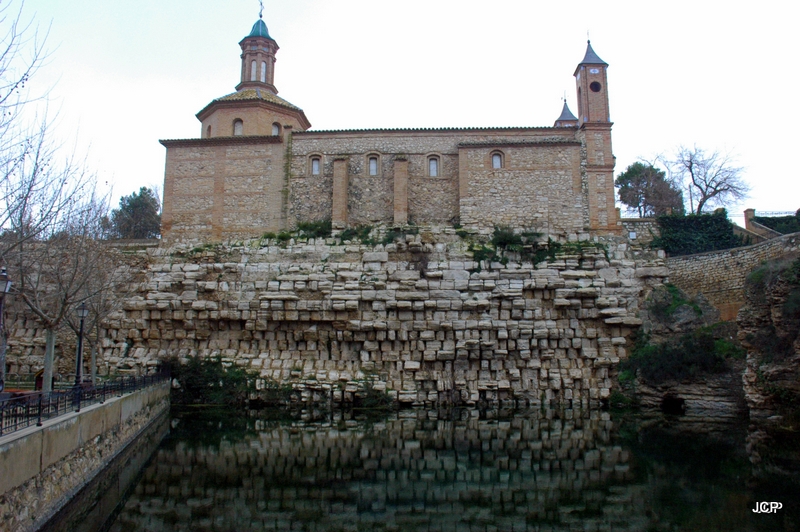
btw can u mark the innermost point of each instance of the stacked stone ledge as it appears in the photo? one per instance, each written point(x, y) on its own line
point(418, 319)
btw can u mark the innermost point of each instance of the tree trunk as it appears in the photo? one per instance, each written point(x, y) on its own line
point(49, 357)
point(94, 364)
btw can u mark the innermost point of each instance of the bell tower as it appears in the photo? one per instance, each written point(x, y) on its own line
point(595, 132)
point(258, 59)
point(592, 82)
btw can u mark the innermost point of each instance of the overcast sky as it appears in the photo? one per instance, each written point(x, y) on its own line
point(711, 74)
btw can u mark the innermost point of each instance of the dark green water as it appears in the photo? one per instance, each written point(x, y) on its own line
point(465, 470)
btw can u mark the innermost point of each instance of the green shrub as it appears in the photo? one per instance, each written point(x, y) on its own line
point(782, 224)
point(209, 382)
point(665, 301)
point(359, 233)
point(315, 229)
point(692, 355)
point(695, 233)
point(505, 238)
point(395, 232)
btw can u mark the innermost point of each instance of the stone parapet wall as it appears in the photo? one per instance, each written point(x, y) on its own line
point(419, 319)
point(720, 275)
point(642, 231)
point(42, 467)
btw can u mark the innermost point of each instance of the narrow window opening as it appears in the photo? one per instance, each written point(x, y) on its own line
point(315, 166)
point(263, 71)
point(276, 129)
point(497, 160)
point(253, 71)
point(373, 165)
point(208, 132)
point(433, 167)
point(238, 128)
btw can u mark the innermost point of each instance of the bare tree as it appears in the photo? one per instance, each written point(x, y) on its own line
point(37, 182)
point(113, 279)
point(54, 275)
point(712, 179)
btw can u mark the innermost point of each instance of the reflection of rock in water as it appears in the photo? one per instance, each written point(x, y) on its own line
point(399, 474)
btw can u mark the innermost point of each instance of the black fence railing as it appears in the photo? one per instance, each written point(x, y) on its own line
point(34, 408)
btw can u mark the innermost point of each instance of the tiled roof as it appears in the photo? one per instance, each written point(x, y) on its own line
point(419, 129)
point(591, 58)
point(257, 94)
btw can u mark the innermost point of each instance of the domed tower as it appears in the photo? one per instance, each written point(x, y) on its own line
point(258, 59)
point(254, 109)
point(231, 182)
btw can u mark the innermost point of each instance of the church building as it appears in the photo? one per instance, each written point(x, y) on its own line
point(259, 167)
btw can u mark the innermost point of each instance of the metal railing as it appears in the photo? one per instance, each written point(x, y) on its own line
point(31, 409)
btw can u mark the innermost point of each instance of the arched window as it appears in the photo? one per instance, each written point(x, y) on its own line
point(263, 71)
point(253, 71)
point(276, 129)
point(433, 166)
point(208, 132)
point(497, 160)
point(315, 166)
point(238, 128)
point(372, 161)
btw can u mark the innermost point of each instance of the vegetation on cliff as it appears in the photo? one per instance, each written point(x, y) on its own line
point(782, 224)
point(683, 340)
point(775, 340)
point(695, 233)
point(691, 355)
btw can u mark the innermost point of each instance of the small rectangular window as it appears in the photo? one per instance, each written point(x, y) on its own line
point(433, 167)
point(373, 166)
point(315, 166)
point(497, 160)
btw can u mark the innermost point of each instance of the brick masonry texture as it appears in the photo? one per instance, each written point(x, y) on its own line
point(720, 275)
point(416, 319)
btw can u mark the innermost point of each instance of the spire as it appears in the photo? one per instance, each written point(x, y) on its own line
point(567, 119)
point(591, 58)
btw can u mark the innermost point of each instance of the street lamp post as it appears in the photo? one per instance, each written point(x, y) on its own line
point(81, 312)
point(5, 288)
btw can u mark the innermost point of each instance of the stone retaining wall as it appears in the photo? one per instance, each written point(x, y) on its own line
point(418, 319)
point(42, 467)
point(720, 275)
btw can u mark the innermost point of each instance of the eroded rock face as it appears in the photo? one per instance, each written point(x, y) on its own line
point(768, 328)
point(709, 397)
point(417, 319)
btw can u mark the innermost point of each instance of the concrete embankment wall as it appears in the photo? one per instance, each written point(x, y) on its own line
point(42, 467)
point(720, 275)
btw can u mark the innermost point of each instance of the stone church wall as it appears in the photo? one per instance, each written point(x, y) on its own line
point(539, 187)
